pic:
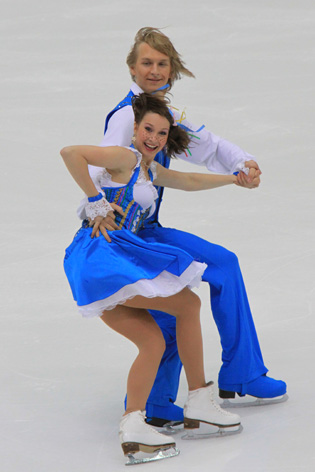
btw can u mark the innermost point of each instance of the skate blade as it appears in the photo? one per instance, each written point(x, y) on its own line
point(207, 430)
point(247, 401)
point(158, 456)
point(171, 428)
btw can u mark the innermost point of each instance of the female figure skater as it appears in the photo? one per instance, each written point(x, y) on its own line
point(119, 281)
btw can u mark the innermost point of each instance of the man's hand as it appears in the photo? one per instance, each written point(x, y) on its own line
point(252, 180)
point(103, 225)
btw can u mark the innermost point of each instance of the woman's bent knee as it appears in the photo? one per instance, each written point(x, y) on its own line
point(154, 343)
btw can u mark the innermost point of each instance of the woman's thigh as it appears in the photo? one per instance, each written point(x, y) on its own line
point(185, 301)
point(135, 324)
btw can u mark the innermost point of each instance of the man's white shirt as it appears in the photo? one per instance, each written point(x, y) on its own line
point(216, 154)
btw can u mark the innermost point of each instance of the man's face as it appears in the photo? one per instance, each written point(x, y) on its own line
point(152, 69)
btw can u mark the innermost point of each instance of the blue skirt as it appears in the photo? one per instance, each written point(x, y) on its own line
point(102, 275)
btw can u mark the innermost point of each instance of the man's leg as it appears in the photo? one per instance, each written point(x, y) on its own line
point(243, 369)
point(160, 407)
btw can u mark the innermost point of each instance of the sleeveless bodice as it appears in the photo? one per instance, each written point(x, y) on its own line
point(137, 197)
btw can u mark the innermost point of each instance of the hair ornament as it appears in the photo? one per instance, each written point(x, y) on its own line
point(173, 115)
point(182, 116)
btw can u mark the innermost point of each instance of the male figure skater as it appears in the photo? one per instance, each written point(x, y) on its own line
point(154, 65)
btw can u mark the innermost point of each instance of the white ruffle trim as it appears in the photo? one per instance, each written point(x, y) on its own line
point(164, 285)
point(153, 167)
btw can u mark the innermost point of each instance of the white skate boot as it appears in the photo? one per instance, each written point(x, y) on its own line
point(137, 436)
point(202, 413)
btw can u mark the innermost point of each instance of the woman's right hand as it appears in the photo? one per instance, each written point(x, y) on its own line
point(103, 225)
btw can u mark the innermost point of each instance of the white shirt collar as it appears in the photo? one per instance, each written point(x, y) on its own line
point(135, 88)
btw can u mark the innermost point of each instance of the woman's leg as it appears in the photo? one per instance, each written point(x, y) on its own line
point(138, 326)
point(185, 306)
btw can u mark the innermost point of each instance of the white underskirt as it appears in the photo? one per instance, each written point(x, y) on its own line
point(164, 285)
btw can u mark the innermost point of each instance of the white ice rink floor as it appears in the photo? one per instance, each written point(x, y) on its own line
point(63, 68)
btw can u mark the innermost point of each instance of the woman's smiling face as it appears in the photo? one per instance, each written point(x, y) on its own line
point(151, 135)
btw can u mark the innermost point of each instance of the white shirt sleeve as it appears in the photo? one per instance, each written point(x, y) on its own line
point(216, 154)
point(118, 133)
point(120, 128)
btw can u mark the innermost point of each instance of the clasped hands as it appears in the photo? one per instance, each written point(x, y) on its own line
point(252, 180)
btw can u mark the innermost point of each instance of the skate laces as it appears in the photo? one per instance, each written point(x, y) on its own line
point(214, 403)
point(217, 406)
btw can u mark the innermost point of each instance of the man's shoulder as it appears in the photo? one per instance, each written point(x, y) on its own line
point(123, 112)
point(127, 100)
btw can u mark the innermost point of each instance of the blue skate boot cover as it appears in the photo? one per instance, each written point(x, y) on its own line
point(262, 387)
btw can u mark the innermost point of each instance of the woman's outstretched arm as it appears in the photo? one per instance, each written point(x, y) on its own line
point(191, 181)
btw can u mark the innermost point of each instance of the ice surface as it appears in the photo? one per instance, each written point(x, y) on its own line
point(63, 67)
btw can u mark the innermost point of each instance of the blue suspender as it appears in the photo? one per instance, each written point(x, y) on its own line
point(125, 102)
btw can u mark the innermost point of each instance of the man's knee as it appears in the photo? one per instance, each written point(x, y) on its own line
point(229, 258)
point(223, 258)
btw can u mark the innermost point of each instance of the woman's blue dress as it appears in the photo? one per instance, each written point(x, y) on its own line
point(102, 275)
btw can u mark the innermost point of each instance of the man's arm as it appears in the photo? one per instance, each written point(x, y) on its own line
point(219, 155)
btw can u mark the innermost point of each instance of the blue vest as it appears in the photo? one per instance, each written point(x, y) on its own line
point(161, 158)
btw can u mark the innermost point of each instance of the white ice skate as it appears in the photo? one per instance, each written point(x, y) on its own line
point(204, 418)
point(136, 436)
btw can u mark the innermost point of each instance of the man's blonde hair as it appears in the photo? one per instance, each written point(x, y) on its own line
point(159, 41)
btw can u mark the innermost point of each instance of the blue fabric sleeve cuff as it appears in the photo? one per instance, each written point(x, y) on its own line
point(95, 199)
